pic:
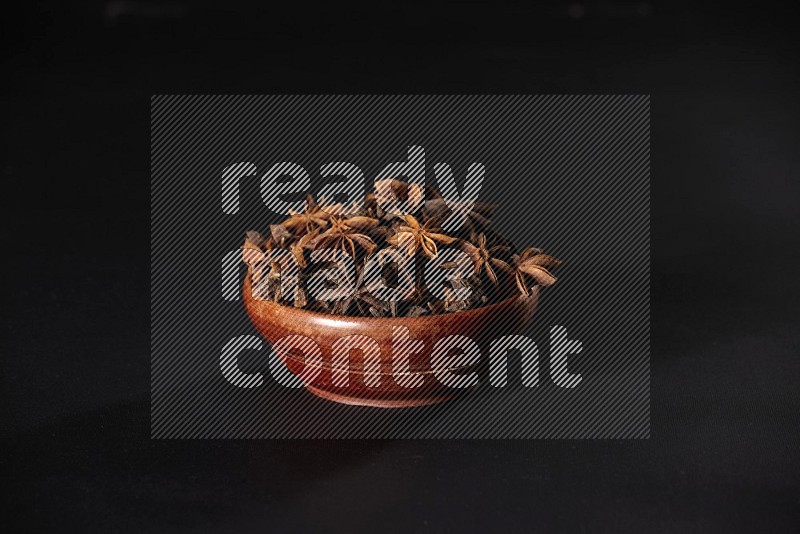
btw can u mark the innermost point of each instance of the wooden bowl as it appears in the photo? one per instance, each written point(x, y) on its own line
point(275, 321)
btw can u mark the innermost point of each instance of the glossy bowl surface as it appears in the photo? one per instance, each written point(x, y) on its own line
point(482, 325)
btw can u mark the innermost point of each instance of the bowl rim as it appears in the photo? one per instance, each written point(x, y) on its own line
point(247, 282)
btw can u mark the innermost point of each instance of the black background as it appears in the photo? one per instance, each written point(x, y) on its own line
point(75, 378)
point(581, 210)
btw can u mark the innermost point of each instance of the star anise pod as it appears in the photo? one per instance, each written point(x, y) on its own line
point(387, 273)
point(416, 311)
point(299, 247)
point(280, 236)
point(413, 236)
point(300, 296)
point(345, 234)
point(305, 222)
point(362, 226)
point(451, 303)
point(252, 250)
point(484, 257)
point(255, 245)
point(253, 254)
point(390, 190)
point(267, 281)
point(363, 300)
point(535, 264)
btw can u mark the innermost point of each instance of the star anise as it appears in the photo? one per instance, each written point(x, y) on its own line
point(280, 236)
point(535, 264)
point(414, 236)
point(363, 300)
point(484, 258)
point(300, 296)
point(267, 281)
point(299, 247)
point(387, 273)
point(305, 222)
point(346, 234)
point(451, 303)
point(360, 226)
point(389, 191)
point(252, 250)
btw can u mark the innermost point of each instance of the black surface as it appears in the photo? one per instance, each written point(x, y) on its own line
point(723, 455)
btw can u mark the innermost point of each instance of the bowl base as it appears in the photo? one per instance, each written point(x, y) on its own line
point(380, 402)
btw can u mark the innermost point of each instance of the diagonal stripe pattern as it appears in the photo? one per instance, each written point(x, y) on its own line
point(570, 174)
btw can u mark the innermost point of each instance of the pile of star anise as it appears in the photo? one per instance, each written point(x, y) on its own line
point(363, 233)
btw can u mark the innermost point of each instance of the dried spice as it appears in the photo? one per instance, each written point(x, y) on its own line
point(485, 258)
point(414, 236)
point(491, 267)
point(534, 264)
point(347, 233)
point(306, 222)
